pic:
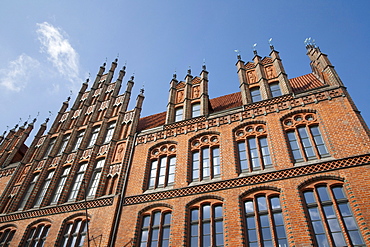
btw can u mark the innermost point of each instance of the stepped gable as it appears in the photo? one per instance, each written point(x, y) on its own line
point(299, 85)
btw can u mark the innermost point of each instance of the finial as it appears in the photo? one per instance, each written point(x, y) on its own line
point(310, 43)
point(270, 43)
point(189, 71)
point(204, 64)
point(34, 120)
point(47, 120)
point(116, 60)
point(88, 79)
point(142, 90)
point(124, 68)
point(132, 77)
point(254, 48)
point(238, 55)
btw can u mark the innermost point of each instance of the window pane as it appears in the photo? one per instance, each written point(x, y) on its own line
point(242, 156)
point(218, 211)
point(338, 193)
point(206, 211)
point(323, 193)
point(261, 200)
point(308, 195)
point(275, 89)
point(249, 207)
point(194, 214)
point(275, 202)
point(255, 94)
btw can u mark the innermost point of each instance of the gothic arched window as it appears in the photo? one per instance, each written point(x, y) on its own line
point(205, 157)
point(162, 166)
point(304, 137)
point(253, 150)
point(36, 234)
point(74, 232)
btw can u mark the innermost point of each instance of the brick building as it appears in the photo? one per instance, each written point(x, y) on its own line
point(282, 162)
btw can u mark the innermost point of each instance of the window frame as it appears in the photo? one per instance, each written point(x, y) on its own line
point(6, 236)
point(95, 178)
point(73, 232)
point(179, 114)
point(162, 175)
point(45, 186)
point(274, 90)
point(148, 229)
point(110, 131)
point(260, 217)
point(36, 235)
point(23, 202)
point(195, 112)
point(78, 180)
point(58, 190)
point(203, 228)
point(255, 97)
point(93, 136)
point(78, 141)
point(323, 207)
point(205, 158)
point(303, 143)
point(63, 144)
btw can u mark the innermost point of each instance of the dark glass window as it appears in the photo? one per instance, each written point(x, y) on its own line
point(206, 226)
point(331, 218)
point(254, 154)
point(37, 235)
point(256, 94)
point(110, 131)
point(195, 110)
point(264, 221)
point(49, 148)
point(275, 89)
point(96, 177)
point(62, 180)
point(6, 236)
point(74, 233)
point(44, 188)
point(29, 191)
point(178, 114)
point(77, 182)
point(162, 172)
point(63, 144)
point(155, 229)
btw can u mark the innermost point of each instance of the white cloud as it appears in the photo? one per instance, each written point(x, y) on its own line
point(16, 76)
point(59, 51)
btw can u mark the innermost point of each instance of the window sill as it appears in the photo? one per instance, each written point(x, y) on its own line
point(205, 181)
point(170, 187)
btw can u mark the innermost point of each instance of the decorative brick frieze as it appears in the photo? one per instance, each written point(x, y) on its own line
point(278, 104)
point(7, 172)
point(249, 180)
point(56, 210)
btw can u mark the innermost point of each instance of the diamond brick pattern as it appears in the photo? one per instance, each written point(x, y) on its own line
point(261, 178)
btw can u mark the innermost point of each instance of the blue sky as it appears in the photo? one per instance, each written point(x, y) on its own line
point(48, 48)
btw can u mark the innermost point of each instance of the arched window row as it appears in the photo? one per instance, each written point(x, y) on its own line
point(7, 234)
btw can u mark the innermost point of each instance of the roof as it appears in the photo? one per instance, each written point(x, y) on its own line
point(299, 85)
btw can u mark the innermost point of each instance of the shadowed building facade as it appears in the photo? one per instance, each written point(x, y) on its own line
point(282, 162)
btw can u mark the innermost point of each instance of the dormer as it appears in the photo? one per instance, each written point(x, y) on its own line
point(263, 78)
point(188, 99)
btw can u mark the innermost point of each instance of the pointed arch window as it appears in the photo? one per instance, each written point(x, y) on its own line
point(63, 145)
point(30, 188)
point(94, 136)
point(205, 157)
point(77, 181)
point(94, 183)
point(110, 131)
point(6, 236)
point(155, 228)
point(49, 148)
point(74, 233)
point(36, 235)
point(44, 188)
point(330, 215)
point(162, 166)
point(304, 137)
point(62, 180)
point(79, 137)
point(264, 223)
point(253, 149)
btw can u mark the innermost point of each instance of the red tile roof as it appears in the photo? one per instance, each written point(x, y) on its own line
point(305, 83)
point(299, 84)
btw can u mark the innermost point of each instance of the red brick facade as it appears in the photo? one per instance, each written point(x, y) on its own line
point(283, 162)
